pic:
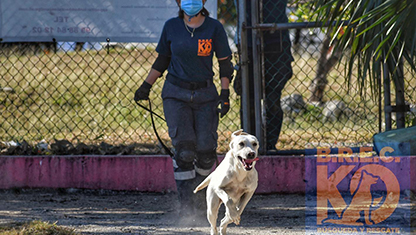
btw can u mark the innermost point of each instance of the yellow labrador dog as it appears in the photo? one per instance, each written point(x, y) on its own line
point(233, 182)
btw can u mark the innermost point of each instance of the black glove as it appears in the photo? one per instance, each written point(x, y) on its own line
point(224, 101)
point(143, 92)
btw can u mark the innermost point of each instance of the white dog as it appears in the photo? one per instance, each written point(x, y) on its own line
point(233, 182)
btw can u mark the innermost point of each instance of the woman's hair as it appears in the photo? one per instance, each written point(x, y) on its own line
point(204, 12)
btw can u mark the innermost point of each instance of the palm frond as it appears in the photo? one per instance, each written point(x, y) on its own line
point(380, 31)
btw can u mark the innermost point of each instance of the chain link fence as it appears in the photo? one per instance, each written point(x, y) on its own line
point(77, 98)
point(322, 108)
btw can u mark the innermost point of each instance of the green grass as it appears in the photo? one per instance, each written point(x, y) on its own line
point(83, 97)
point(35, 227)
point(88, 97)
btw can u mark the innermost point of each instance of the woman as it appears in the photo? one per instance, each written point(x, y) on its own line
point(190, 98)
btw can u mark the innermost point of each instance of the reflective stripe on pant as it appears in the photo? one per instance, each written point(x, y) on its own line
point(182, 174)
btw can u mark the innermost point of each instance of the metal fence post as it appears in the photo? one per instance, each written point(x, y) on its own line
point(387, 98)
point(244, 64)
point(257, 77)
point(400, 101)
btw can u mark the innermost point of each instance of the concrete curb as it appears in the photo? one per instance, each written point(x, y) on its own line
point(147, 173)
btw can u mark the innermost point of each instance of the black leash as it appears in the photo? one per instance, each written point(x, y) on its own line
point(154, 126)
point(154, 129)
point(150, 110)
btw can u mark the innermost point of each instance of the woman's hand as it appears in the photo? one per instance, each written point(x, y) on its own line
point(224, 101)
point(143, 92)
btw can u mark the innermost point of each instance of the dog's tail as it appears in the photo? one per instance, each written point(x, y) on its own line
point(203, 184)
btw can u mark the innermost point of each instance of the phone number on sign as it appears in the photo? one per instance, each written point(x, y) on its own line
point(61, 30)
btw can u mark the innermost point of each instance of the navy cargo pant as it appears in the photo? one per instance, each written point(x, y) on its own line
point(192, 120)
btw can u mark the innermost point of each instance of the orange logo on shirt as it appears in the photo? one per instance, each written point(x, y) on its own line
point(204, 47)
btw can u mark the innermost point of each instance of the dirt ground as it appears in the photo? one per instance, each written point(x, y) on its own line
point(111, 212)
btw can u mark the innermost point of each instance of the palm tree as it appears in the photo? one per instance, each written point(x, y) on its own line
point(380, 35)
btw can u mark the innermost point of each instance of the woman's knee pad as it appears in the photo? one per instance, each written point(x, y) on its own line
point(205, 161)
point(185, 155)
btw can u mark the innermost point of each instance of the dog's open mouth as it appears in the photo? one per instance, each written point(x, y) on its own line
point(248, 163)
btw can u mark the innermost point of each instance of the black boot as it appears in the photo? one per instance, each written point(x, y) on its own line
point(199, 199)
point(185, 194)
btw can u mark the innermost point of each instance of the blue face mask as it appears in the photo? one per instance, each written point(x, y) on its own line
point(191, 7)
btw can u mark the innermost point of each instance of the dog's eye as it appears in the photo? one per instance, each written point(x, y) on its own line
point(241, 144)
point(254, 144)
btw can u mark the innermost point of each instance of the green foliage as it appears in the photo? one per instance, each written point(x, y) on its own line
point(302, 12)
point(35, 227)
point(313, 113)
point(380, 31)
point(227, 12)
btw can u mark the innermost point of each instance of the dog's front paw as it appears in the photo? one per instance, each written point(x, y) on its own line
point(234, 216)
point(237, 220)
point(214, 231)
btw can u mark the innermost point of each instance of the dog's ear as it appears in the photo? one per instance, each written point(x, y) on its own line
point(237, 133)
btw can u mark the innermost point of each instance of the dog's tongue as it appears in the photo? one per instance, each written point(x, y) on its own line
point(251, 160)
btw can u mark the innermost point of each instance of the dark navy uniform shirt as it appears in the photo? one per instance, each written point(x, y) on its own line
point(191, 57)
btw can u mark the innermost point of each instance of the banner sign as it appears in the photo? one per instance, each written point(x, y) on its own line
point(86, 20)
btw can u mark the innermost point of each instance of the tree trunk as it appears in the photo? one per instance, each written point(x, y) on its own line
point(326, 62)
